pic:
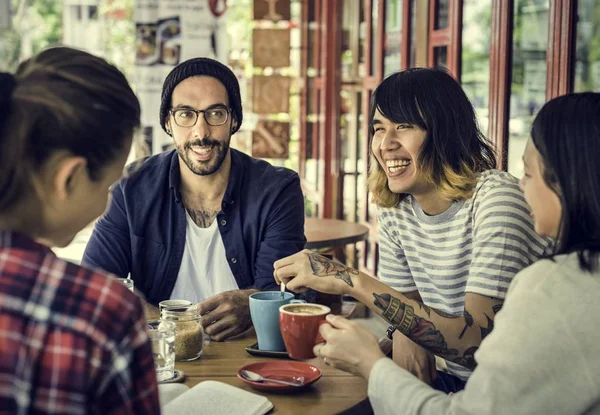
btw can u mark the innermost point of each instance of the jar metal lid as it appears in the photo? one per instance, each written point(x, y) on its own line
point(181, 313)
point(174, 304)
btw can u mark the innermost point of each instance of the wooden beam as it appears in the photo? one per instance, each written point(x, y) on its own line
point(304, 28)
point(500, 78)
point(560, 59)
point(329, 138)
point(455, 23)
point(406, 31)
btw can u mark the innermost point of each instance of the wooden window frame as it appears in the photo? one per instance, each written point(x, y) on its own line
point(501, 50)
point(449, 37)
point(560, 59)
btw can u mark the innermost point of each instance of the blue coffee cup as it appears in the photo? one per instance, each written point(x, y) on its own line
point(264, 310)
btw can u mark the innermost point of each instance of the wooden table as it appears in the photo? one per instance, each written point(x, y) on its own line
point(333, 393)
point(328, 233)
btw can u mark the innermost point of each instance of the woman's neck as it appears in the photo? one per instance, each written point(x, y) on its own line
point(432, 203)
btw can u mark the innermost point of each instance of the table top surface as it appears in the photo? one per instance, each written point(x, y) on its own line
point(220, 361)
point(326, 233)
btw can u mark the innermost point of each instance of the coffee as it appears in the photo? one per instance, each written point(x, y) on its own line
point(303, 309)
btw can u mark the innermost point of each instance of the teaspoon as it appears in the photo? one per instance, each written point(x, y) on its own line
point(253, 376)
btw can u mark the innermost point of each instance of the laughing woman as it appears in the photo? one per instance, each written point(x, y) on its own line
point(453, 232)
point(542, 357)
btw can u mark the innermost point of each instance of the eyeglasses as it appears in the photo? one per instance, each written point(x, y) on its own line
point(187, 117)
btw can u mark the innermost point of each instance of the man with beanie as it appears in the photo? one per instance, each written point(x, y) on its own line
point(204, 222)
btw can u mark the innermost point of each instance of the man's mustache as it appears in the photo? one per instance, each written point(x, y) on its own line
point(204, 142)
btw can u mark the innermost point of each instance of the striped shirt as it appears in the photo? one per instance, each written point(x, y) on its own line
point(477, 246)
point(72, 341)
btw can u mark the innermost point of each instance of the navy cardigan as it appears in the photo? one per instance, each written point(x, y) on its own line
point(143, 231)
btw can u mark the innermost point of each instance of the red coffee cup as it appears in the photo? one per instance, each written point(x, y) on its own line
point(299, 324)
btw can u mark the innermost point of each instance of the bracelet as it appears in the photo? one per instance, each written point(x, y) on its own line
point(390, 332)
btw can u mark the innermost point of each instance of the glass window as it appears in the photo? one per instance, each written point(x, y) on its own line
point(476, 37)
point(351, 41)
point(440, 56)
point(587, 46)
point(528, 86)
point(393, 36)
point(441, 15)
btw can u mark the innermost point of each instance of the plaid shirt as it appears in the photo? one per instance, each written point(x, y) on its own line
point(72, 341)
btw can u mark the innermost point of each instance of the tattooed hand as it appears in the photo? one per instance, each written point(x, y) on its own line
point(325, 267)
point(307, 269)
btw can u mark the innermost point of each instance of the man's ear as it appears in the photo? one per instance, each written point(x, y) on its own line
point(168, 126)
point(70, 172)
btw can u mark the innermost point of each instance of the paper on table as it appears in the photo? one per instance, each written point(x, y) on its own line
point(214, 398)
point(169, 391)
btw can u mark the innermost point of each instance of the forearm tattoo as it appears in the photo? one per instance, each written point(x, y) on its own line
point(325, 267)
point(425, 333)
point(468, 317)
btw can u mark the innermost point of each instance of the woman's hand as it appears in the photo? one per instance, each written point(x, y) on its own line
point(348, 346)
point(307, 269)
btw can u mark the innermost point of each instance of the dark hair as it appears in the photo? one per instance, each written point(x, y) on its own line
point(66, 99)
point(454, 151)
point(566, 132)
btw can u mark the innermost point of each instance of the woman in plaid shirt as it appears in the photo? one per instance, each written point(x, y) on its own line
point(72, 340)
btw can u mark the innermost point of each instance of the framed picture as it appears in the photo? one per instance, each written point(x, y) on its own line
point(271, 94)
point(271, 139)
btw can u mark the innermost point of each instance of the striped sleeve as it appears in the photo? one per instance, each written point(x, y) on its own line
point(504, 239)
point(393, 270)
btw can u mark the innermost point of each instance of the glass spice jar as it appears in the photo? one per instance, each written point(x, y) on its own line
point(189, 334)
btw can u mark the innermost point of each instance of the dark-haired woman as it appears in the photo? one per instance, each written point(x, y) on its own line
point(452, 231)
point(72, 340)
point(542, 357)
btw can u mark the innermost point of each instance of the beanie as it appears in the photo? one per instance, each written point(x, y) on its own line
point(202, 67)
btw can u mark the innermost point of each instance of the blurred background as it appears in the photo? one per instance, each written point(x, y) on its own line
point(307, 69)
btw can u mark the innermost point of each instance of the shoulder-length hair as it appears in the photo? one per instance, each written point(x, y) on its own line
point(454, 151)
point(566, 133)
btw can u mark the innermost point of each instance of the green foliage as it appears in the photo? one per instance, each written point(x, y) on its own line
point(46, 23)
point(119, 32)
point(36, 25)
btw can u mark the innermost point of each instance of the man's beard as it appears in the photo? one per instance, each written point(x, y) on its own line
point(204, 168)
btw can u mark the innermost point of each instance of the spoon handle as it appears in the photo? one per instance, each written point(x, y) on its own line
point(283, 382)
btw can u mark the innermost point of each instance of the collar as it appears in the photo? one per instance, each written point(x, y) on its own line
point(15, 240)
point(235, 177)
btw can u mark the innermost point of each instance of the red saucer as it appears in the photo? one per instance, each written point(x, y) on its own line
point(282, 370)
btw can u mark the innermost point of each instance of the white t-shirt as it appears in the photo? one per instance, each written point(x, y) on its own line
point(204, 270)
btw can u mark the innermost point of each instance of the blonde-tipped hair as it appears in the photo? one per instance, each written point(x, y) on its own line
point(450, 185)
